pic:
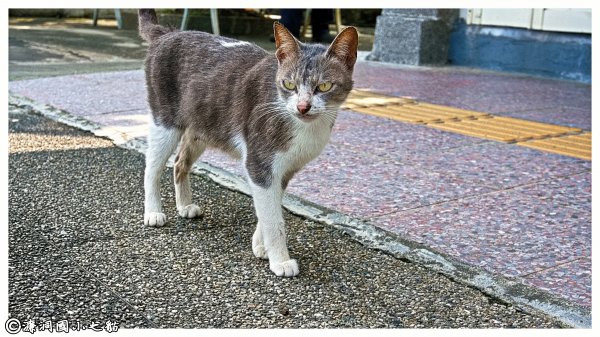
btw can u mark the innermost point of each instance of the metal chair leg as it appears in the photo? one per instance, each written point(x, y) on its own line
point(95, 17)
point(186, 18)
point(306, 23)
point(214, 19)
point(338, 20)
point(119, 18)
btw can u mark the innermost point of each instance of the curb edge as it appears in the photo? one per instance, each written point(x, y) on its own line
point(525, 297)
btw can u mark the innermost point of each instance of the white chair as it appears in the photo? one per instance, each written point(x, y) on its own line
point(118, 17)
point(214, 20)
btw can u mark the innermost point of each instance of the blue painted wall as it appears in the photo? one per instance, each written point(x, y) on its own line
point(552, 54)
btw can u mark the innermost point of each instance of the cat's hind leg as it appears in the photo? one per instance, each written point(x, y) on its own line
point(190, 149)
point(161, 144)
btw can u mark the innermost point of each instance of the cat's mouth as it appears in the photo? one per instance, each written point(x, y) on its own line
point(306, 117)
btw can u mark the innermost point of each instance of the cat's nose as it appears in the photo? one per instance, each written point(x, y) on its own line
point(303, 107)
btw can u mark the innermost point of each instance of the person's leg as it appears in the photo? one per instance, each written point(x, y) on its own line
point(292, 19)
point(320, 19)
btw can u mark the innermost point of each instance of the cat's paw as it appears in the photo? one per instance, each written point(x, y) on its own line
point(190, 211)
point(260, 251)
point(258, 245)
point(287, 268)
point(155, 219)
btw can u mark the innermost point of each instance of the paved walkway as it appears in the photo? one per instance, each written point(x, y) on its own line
point(79, 252)
point(513, 211)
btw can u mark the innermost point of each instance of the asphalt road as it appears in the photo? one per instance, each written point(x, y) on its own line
point(44, 47)
point(51, 47)
point(78, 251)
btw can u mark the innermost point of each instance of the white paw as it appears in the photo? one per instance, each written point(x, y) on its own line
point(155, 219)
point(258, 246)
point(287, 268)
point(190, 211)
point(260, 251)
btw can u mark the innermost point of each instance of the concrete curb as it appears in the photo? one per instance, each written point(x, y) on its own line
point(497, 287)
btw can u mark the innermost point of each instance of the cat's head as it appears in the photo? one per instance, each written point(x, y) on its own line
point(314, 80)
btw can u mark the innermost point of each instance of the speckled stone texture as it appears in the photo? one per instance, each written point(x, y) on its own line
point(78, 251)
point(88, 94)
point(476, 90)
point(514, 211)
point(413, 36)
point(567, 116)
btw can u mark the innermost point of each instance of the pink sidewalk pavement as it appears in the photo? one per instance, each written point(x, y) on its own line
point(513, 211)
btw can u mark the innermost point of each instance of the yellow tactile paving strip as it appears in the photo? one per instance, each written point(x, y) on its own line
point(504, 129)
point(541, 136)
point(579, 146)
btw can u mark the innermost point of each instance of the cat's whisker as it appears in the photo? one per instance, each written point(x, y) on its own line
point(269, 114)
point(265, 111)
point(330, 116)
point(272, 114)
point(272, 118)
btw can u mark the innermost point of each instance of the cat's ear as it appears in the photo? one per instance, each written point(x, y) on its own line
point(345, 46)
point(286, 44)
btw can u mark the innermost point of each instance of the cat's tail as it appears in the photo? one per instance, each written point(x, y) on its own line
point(149, 28)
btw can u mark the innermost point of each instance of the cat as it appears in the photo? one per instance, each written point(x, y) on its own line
point(274, 111)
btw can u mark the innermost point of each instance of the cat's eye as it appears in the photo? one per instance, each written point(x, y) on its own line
point(324, 87)
point(289, 85)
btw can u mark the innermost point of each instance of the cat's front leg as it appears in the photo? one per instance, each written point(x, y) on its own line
point(258, 244)
point(269, 240)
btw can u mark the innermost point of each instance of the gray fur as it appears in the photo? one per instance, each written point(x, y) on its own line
point(216, 93)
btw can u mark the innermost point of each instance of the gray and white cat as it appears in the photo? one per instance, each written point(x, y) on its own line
point(274, 111)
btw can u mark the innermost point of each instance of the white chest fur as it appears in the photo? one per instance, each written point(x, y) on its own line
point(308, 142)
